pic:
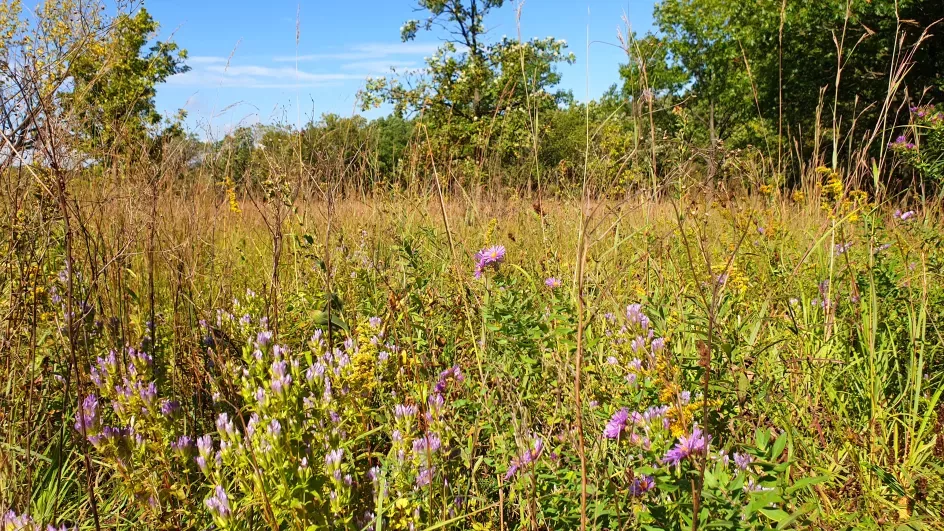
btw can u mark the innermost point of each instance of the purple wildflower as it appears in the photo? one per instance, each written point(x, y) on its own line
point(427, 444)
point(182, 445)
point(694, 444)
point(617, 424)
point(658, 344)
point(424, 477)
point(904, 216)
point(489, 257)
point(87, 420)
point(333, 458)
point(404, 410)
point(743, 461)
point(641, 485)
point(169, 407)
point(552, 282)
point(841, 248)
point(218, 504)
point(263, 339)
point(512, 468)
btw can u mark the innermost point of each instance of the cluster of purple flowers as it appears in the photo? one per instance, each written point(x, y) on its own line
point(823, 300)
point(904, 216)
point(10, 521)
point(902, 143)
point(841, 248)
point(688, 445)
point(453, 373)
point(926, 113)
point(742, 461)
point(526, 458)
point(489, 257)
point(218, 503)
point(636, 425)
point(281, 379)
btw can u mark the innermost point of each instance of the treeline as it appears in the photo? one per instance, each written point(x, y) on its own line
point(751, 94)
point(758, 93)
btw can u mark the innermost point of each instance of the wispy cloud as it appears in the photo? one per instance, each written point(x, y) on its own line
point(366, 51)
point(258, 76)
point(380, 66)
point(335, 68)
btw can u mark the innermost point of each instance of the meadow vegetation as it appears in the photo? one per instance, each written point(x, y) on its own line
point(710, 299)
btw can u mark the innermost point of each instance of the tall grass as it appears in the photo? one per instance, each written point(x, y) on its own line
point(799, 335)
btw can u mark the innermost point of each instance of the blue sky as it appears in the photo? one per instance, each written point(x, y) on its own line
point(243, 53)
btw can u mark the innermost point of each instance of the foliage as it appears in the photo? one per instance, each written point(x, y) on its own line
point(469, 83)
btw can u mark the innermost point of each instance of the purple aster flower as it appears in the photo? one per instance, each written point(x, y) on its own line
point(553, 282)
point(512, 468)
point(490, 257)
point(694, 444)
point(617, 424)
point(641, 485)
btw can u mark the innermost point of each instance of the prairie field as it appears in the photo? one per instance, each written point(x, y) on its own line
point(711, 297)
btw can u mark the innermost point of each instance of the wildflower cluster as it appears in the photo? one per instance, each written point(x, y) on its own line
point(921, 146)
point(131, 428)
point(286, 444)
point(10, 521)
point(650, 426)
point(418, 461)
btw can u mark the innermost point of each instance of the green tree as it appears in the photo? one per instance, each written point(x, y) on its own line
point(474, 95)
point(743, 69)
point(114, 82)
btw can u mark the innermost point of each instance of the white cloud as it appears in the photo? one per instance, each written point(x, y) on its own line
point(258, 76)
point(366, 51)
point(352, 63)
point(379, 67)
